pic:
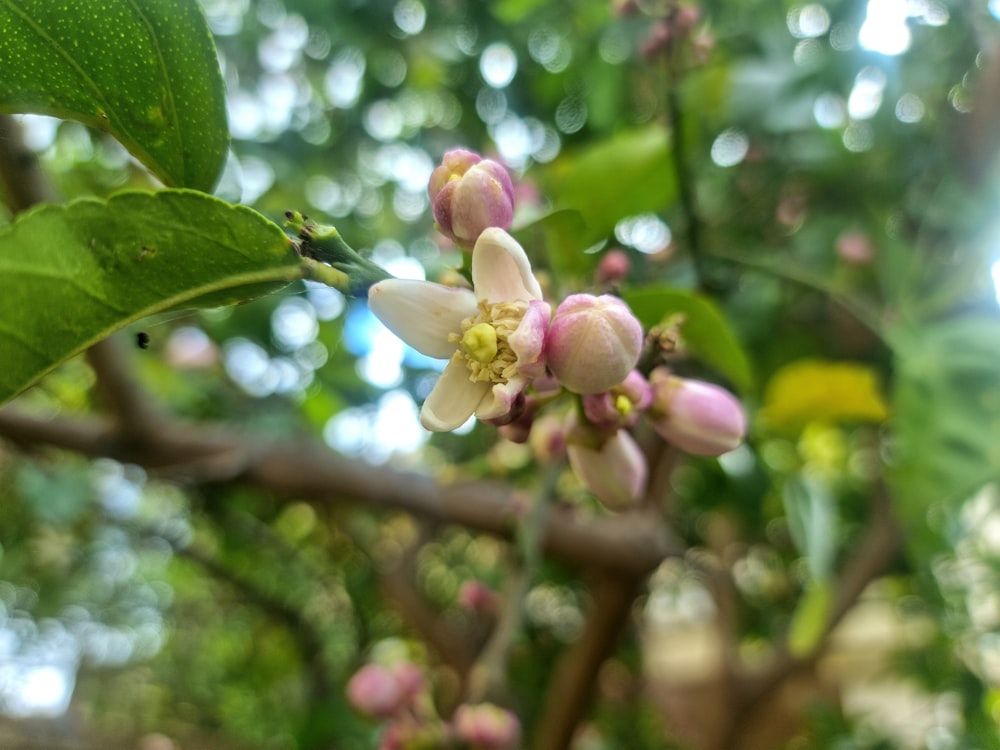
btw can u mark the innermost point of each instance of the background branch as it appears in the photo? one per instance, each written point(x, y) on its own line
point(306, 469)
point(572, 687)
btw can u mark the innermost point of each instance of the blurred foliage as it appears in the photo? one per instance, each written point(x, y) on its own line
point(816, 219)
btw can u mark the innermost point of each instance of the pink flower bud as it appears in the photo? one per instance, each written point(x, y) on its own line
point(854, 247)
point(547, 441)
point(376, 691)
point(410, 679)
point(469, 194)
point(487, 727)
point(697, 417)
point(685, 19)
point(593, 342)
point(613, 267)
point(611, 465)
point(475, 597)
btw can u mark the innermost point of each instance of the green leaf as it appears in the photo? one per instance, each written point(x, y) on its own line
point(810, 618)
point(562, 235)
point(811, 511)
point(146, 71)
point(946, 419)
point(705, 331)
point(629, 174)
point(73, 274)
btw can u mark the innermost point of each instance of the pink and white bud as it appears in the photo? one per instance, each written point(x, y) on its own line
point(697, 417)
point(854, 247)
point(485, 726)
point(593, 342)
point(613, 267)
point(469, 194)
point(685, 18)
point(547, 440)
point(611, 465)
point(475, 597)
point(619, 407)
point(374, 690)
point(410, 679)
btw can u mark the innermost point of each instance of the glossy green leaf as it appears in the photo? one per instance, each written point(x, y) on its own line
point(73, 274)
point(146, 71)
point(946, 419)
point(706, 332)
point(630, 174)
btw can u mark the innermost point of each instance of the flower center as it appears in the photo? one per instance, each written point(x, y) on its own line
point(484, 341)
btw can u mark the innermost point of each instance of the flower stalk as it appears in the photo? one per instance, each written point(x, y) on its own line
point(322, 242)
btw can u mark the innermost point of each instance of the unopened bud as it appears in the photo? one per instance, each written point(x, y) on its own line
point(475, 597)
point(469, 194)
point(487, 727)
point(611, 465)
point(613, 267)
point(697, 417)
point(854, 247)
point(546, 439)
point(374, 690)
point(593, 343)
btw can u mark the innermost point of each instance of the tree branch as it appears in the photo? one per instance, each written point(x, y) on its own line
point(21, 177)
point(876, 550)
point(571, 690)
point(306, 469)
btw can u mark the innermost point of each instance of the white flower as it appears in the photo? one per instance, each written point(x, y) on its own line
point(494, 334)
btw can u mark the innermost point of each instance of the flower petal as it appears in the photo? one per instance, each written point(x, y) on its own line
point(500, 399)
point(454, 398)
point(501, 271)
point(422, 313)
point(528, 341)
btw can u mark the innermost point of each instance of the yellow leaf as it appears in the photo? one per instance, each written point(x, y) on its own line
point(812, 389)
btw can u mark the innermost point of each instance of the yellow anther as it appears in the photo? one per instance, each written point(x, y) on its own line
point(480, 342)
point(623, 404)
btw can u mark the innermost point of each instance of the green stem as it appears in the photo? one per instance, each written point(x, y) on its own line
point(321, 242)
point(316, 271)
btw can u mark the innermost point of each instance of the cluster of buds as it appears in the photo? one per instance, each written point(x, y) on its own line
point(510, 357)
point(398, 697)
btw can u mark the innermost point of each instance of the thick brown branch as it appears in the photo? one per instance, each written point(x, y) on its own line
point(306, 469)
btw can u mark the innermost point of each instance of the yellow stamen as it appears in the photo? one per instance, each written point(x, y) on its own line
point(480, 341)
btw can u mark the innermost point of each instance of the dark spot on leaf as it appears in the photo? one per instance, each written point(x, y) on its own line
point(142, 340)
